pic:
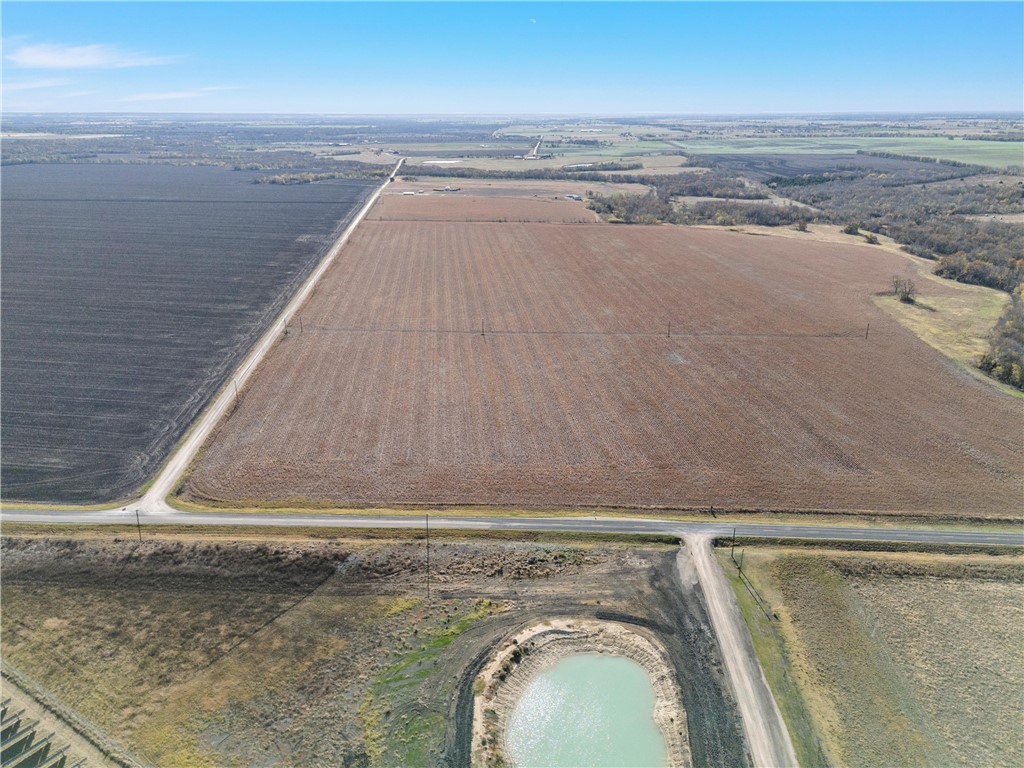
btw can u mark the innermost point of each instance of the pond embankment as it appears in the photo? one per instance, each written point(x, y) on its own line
point(534, 649)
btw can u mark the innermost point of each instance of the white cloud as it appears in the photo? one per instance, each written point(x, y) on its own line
point(178, 95)
point(53, 56)
point(31, 85)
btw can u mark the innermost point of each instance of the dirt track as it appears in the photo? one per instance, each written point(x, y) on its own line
point(766, 732)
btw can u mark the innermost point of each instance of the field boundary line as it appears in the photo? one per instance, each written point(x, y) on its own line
point(856, 333)
point(154, 500)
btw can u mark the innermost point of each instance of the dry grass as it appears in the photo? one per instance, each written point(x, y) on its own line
point(896, 659)
point(195, 649)
point(954, 318)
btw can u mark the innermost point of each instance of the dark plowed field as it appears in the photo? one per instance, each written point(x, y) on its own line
point(128, 294)
point(767, 394)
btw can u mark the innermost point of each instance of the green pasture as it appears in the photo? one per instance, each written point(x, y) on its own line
point(996, 154)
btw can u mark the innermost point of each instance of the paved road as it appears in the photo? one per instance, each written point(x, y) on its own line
point(567, 524)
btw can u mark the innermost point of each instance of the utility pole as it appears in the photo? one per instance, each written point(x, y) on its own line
point(138, 523)
point(670, 329)
point(867, 330)
point(428, 557)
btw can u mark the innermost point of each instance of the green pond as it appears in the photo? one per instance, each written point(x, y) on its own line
point(586, 710)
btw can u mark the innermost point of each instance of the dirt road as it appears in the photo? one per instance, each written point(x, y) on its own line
point(163, 484)
point(766, 733)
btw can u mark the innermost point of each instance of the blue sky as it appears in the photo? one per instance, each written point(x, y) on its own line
point(513, 58)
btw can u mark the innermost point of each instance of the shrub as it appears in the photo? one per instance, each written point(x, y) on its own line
point(904, 289)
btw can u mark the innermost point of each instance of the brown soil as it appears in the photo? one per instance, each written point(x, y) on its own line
point(766, 396)
point(526, 188)
point(457, 206)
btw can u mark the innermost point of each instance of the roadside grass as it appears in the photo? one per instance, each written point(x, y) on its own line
point(128, 650)
point(870, 518)
point(350, 536)
point(37, 506)
point(770, 646)
point(900, 659)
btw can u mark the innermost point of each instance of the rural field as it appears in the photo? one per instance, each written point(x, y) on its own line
point(890, 658)
point(442, 206)
point(214, 649)
point(129, 293)
point(995, 154)
point(531, 365)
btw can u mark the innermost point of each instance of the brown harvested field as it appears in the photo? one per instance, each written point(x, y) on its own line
point(766, 396)
point(518, 187)
point(456, 206)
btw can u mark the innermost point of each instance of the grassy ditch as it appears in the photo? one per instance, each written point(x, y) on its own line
point(770, 646)
point(893, 658)
point(352, 536)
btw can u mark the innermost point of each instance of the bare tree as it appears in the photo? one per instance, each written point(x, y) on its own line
point(904, 289)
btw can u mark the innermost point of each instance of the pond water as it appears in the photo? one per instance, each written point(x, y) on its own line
point(587, 709)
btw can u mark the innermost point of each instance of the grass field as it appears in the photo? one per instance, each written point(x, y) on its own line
point(901, 659)
point(997, 154)
point(766, 396)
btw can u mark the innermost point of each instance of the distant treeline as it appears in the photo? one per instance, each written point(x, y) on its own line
point(657, 207)
point(921, 159)
point(652, 209)
point(927, 210)
point(806, 179)
point(595, 172)
point(1002, 137)
point(308, 178)
point(931, 220)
